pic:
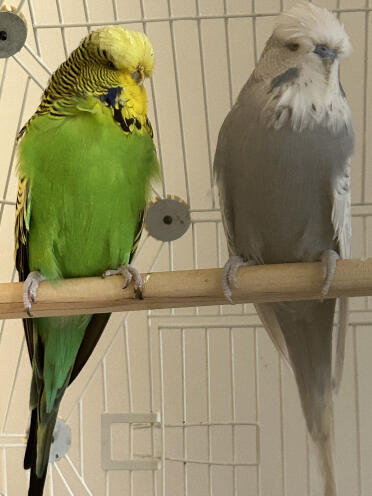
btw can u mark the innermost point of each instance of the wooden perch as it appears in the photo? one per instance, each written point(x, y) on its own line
point(188, 288)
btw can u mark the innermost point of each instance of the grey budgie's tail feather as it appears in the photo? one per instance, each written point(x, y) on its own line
point(307, 328)
point(343, 322)
point(269, 320)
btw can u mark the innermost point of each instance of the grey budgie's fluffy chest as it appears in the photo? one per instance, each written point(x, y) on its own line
point(276, 186)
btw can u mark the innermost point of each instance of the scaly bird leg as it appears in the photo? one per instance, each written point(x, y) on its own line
point(130, 274)
point(328, 259)
point(229, 274)
point(30, 289)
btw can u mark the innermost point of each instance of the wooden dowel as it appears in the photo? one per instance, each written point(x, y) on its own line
point(188, 288)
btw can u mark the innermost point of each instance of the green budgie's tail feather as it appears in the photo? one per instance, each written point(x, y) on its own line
point(56, 343)
point(44, 441)
point(37, 464)
point(36, 487)
point(30, 454)
point(39, 441)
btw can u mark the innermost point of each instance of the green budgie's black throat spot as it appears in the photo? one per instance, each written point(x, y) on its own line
point(167, 219)
point(3, 35)
point(124, 123)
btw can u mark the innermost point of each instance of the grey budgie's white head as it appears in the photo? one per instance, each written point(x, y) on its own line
point(307, 27)
point(300, 62)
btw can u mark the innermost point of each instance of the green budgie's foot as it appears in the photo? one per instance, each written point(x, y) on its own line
point(30, 289)
point(329, 259)
point(229, 274)
point(130, 274)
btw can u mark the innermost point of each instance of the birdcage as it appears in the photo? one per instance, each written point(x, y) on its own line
point(191, 401)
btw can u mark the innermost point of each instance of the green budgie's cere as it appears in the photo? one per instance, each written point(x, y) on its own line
point(86, 162)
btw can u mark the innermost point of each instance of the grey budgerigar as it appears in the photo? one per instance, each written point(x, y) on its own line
point(282, 167)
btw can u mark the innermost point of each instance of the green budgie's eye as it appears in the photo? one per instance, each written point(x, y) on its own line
point(111, 65)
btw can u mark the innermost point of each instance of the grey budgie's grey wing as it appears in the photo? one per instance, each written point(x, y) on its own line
point(226, 205)
point(226, 196)
point(341, 211)
point(341, 219)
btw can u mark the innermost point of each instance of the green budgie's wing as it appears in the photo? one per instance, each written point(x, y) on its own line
point(99, 321)
point(137, 236)
point(21, 247)
point(22, 223)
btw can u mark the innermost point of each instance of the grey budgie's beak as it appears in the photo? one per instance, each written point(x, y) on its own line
point(325, 53)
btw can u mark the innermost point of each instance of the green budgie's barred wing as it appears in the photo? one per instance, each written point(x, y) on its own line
point(22, 228)
point(96, 324)
point(21, 250)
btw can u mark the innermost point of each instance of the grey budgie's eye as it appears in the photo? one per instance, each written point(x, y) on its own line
point(3, 35)
point(293, 47)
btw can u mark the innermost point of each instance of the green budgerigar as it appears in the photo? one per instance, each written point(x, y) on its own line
point(86, 163)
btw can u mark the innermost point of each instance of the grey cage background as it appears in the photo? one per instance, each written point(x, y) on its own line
point(227, 419)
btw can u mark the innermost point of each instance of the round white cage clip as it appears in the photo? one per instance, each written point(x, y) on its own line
point(61, 441)
point(13, 33)
point(168, 218)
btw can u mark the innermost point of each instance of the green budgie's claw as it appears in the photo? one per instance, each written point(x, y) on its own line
point(130, 274)
point(229, 274)
point(30, 289)
point(329, 259)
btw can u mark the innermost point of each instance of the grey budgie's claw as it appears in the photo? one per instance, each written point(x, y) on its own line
point(130, 274)
point(329, 259)
point(229, 274)
point(30, 289)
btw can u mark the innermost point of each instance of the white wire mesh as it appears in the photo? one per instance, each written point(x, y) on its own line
point(231, 420)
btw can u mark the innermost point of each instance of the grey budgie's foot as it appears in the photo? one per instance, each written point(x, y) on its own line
point(130, 274)
point(229, 274)
point(30, 289)
point(329, 259)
